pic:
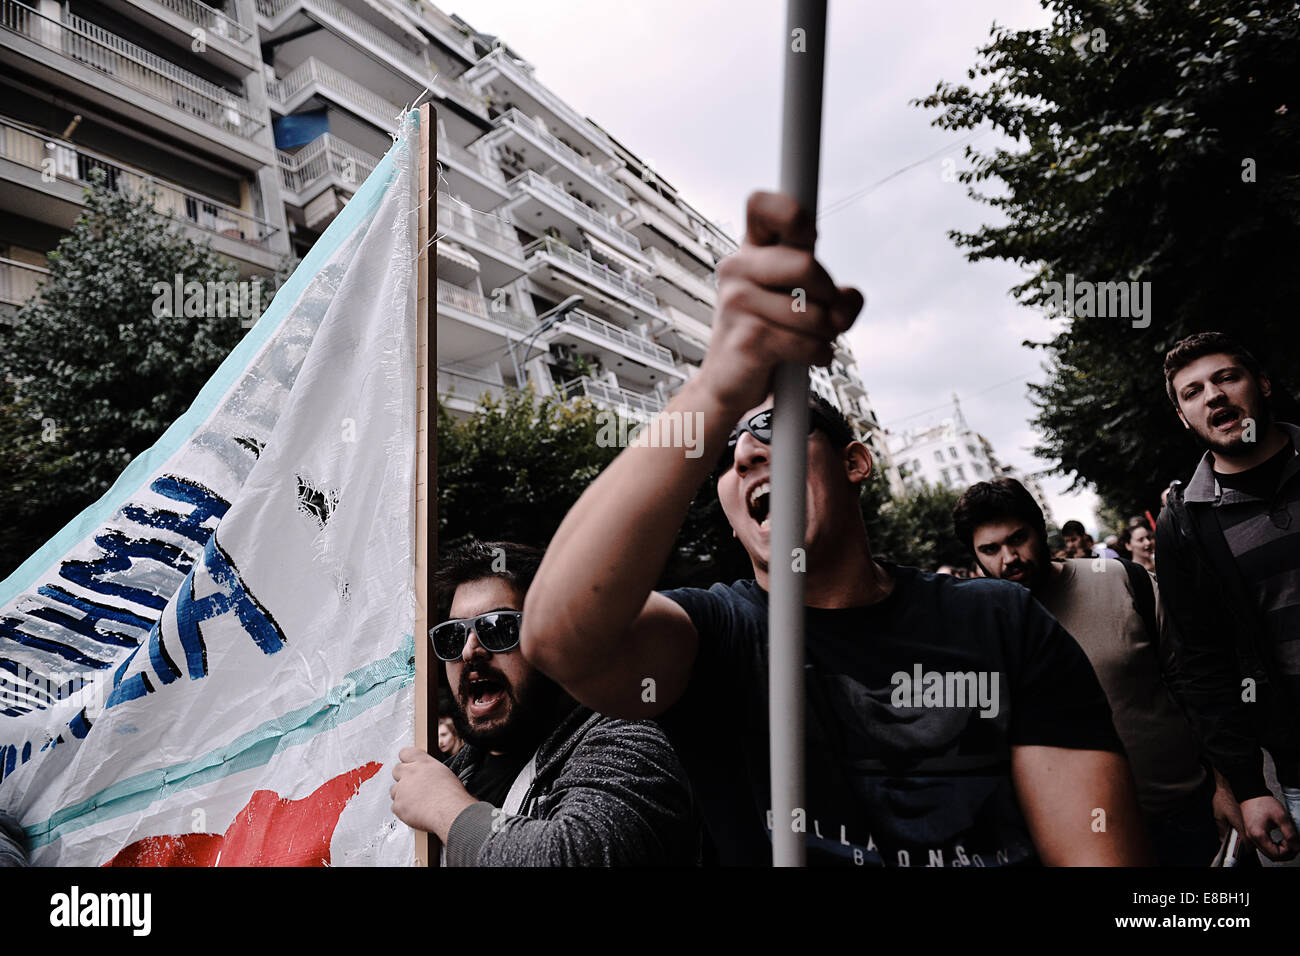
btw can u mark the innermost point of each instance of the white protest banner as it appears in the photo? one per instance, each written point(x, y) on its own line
point(213, 664)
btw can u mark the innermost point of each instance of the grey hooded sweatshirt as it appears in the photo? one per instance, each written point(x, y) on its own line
point(606, 793)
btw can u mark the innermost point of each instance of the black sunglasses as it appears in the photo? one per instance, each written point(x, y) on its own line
point(760, 426)
point(497, 631)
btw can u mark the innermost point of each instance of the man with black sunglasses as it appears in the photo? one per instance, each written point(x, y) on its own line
point(949, 723)
point(541, 780)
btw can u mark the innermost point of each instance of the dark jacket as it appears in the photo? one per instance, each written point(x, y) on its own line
point(607, 793)
point(1217, 627)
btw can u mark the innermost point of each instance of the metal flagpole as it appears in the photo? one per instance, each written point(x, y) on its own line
point(805, 54)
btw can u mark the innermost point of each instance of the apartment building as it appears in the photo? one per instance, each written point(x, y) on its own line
point(564, 261)
point(953, 455)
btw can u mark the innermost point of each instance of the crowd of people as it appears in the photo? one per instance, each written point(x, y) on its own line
point(1050, 708)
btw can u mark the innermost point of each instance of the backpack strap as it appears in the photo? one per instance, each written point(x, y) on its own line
point(1144, 601)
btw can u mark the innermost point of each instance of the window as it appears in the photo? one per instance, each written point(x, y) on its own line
point(943, 476)
point(961, 474)
point(938, 456)
point(979, 469)
point(952, 452)
point(970, 450)
point(916, 466)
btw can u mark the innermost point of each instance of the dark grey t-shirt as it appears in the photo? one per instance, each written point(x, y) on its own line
point(893, 778)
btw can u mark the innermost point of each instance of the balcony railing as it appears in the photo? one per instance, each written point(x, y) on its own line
point(212, 20)
point(642, 406)
point(584, 264)
point(323, 156)
point(78, 165)
point(313, 70)
point(466, 300)
point(449, 150)
point(19, 281)
point(467, 387)
point(613, 334)
point(702, 287)
point(384, 44)
point(524, 78)
point(84, 42)
point(458, 218)
point(530, 127)
point(580, 210)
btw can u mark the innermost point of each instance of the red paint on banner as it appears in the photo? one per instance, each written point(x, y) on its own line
point(268, 831)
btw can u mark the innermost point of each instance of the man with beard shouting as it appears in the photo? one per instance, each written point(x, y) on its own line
point(541, 780)
point(1228, 559)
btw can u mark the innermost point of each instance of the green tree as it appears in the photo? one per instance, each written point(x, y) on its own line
point(90, 363)
point(1154, 142)
point(915, 529)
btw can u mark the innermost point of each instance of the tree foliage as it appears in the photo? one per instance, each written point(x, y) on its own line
point(94, 376)
point(1155, 142)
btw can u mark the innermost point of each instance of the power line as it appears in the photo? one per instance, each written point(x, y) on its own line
point(925, 411)
point(866, 190)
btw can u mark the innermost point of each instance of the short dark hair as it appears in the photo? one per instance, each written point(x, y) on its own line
point(1073, 527)
point(1188, 349)
point(514, 563)
point(841, 432)
point(995, 500)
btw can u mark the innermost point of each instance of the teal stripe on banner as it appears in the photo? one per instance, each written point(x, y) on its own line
point(354, 215)
point(362, 689)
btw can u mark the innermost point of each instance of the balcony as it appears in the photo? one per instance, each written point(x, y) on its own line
point(460, 392)
point(210, 19)
point(621, 342)
point(513, 123)
point(314, 77)
point(477, 180)
point(701, 288)
point(515, 83)
point(325, 161)
point(226, 41)
point(530, 184)
point(469, 301)
point(632, 404)
point(18, 283)
point(233, 232)
point(116, 73)
point(490, 239)
point(546, 251)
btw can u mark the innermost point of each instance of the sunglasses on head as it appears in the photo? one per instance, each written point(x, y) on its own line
point(497, 631)
point(760, 426)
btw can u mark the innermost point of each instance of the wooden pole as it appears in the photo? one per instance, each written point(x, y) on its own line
point(426, 453)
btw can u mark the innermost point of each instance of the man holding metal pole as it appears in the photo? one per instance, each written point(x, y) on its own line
point(948, 722)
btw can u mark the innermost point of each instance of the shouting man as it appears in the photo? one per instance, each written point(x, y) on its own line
point(908, 763)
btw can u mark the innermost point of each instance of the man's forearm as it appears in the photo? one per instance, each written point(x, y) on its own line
point(612, 546)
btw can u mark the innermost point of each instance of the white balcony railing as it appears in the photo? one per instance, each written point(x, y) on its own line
point(348, 90)
point(469, 388)
point(459, 219)
point(324, 155)
point(703, 287)
point(522, 77)
point(580, 210)
point(587, 266)
point(19, 281)
point(81, 41)
point(612, 334)
point(78, 165)
point(448, 150)
point(383, 43)
point(641, 406)
point(528, 126)
point(453, 296)
point(212, 20)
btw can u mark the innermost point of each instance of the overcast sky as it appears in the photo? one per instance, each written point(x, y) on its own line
point(695, 87)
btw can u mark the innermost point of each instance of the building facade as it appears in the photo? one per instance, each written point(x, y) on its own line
point(256, 121)
point(953, 455)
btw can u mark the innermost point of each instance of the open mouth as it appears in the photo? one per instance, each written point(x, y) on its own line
point(759, 501)
point(1225, 419)
point(484, 694)
point(1015, 573)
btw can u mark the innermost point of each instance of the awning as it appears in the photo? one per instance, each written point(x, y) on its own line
point(618, 255)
